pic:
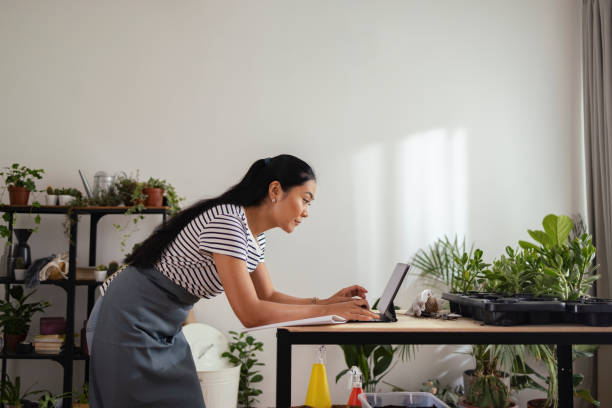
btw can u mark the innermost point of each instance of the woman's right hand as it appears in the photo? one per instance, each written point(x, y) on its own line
point(354, 309)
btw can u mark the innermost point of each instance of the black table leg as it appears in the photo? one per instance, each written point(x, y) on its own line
point(566, 385)
point(283, 369)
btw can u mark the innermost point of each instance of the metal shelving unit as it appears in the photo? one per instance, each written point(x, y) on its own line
point(70, 353)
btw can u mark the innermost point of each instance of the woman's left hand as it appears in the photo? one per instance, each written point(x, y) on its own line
point(346, 294)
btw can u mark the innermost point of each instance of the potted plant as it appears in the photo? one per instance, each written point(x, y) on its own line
point(20, 269)
point(552, 397)
point(81, 400)
point(130, 191)
point(100, 273)
point(11, 393)
point(451, 396)
point(51, 198)
point(66, 195)
point(157, 190)
point(15, 317)
point(154, 190)
point(20, 181)
point(488, 385)
point(241, 353)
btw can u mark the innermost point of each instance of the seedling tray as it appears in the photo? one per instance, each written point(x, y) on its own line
point(497, 310)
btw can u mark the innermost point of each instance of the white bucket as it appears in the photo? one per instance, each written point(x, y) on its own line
point(220, 387)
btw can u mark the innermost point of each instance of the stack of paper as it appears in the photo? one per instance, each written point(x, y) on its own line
point(48, 343)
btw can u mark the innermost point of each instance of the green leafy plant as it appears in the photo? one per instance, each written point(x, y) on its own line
point(6, 217)
point(438, 261)
point(82, 397)
point(549, 383)
point(470, 272)
point(15, 317)
point(101, 267)
point(50, 190)
point(49, 400)
point(511, 273)
point(11, 392)
point(113, 267)
point(566, 266)
point(68, 191)
point(488, 388)
point(243, 351)
point(21, 176)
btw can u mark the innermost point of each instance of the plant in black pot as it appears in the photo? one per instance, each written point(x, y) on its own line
point(20, 181)
point(15, 316)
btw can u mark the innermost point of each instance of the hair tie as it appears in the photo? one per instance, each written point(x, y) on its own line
point(267, 161)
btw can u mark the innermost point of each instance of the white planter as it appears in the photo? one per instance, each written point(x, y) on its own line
point(65, 199)
point(220, 387)
point(99, 276)
point(19, 274)
point(51, 199)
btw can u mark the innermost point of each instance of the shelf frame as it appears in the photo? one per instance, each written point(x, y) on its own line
point(70, 353)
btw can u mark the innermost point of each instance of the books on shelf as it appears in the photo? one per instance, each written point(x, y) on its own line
point(48, 343)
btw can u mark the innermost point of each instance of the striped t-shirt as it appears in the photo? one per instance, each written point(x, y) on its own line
point(188, 260)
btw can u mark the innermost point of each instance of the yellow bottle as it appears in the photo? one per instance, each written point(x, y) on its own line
point(318, 388)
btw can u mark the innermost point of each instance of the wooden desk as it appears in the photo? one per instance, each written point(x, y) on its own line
point(411, 330)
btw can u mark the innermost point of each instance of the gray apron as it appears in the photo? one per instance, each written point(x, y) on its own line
point(138, 354)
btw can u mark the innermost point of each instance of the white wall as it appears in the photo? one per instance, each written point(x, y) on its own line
point(420, 119)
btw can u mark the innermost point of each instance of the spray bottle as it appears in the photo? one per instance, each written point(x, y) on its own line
point(318, 388)
point(355, 387)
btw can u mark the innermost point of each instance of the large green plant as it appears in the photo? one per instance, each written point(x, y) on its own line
point(243, 349)
point(15, 317)
point(565, 266)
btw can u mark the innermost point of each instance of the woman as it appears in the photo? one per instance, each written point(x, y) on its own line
point(139, 356)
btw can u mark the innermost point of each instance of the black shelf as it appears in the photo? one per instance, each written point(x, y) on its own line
point(57, 209)
point(70, 352)
point(56, 282)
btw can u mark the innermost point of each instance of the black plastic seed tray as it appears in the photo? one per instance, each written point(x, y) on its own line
point(590, 311)
point(496, 310)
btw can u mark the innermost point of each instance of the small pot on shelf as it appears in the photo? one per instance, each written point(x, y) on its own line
point(12, 340)
point(65, 199)
point(51, 199)
point(18, 195)
point(155, 197)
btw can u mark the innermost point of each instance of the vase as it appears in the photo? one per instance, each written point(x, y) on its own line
point(22, 250)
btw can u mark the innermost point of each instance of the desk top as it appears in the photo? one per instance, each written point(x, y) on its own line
point(423, 324)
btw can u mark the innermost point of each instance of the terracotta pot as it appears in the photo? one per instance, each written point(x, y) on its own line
point(18, 195)
point(77, 405)
point(155, 197)
point(12, 340)
point(536, 403)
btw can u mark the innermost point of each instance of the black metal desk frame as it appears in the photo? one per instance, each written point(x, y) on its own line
point(564, 342)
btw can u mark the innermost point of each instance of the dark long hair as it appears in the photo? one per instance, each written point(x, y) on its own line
point(288, 170)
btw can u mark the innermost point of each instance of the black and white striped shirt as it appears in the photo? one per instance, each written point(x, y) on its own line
point(188, 260)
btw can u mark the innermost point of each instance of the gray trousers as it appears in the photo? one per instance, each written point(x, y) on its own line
point(138, 354)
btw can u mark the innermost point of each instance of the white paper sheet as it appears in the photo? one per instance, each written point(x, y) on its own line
point(312, 321)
